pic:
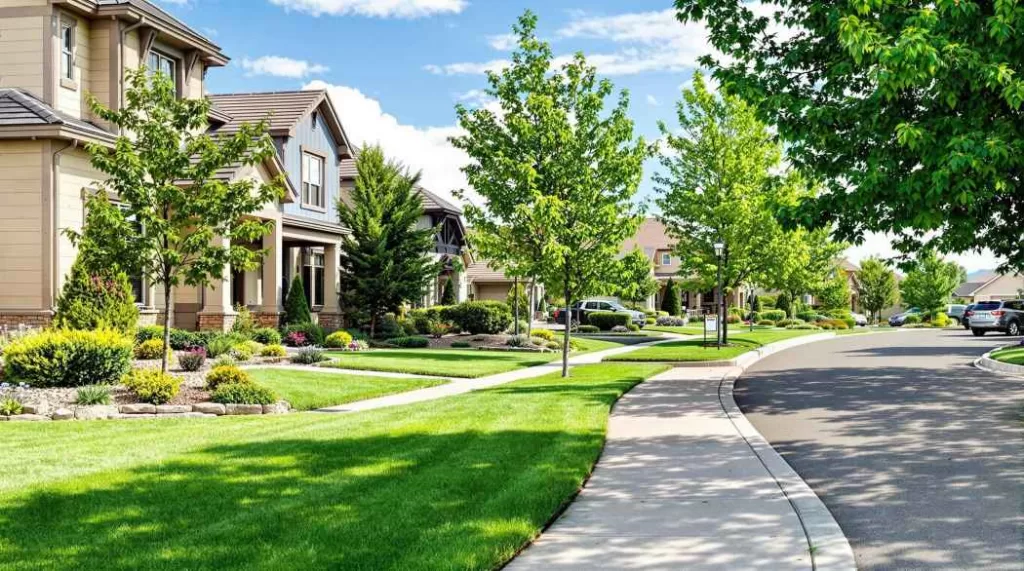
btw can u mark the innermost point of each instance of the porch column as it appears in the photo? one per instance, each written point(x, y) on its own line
point(273, 266)
point(217, 313)
point(330, 315)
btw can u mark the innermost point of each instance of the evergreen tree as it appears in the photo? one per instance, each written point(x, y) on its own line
point(782, 302)
point(448, 293)
point(296, 306)
point(672, 303)
point(386, 261)
point(92, 301)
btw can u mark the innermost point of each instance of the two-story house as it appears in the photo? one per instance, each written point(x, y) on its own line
point(53, 53)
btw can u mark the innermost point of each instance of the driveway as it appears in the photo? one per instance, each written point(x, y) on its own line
point(919, 456)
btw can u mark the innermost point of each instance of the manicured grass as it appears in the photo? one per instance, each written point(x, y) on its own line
point(465, 363)
point(306, 390)
point(694, 349)
point(1011, 355)
point(688, 330)
point(458, 483)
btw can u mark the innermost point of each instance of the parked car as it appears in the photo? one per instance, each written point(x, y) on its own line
point(859, 319)
point(898, 319)
point(581, 309)
point(966, 319)
point(955, 311)
point(1006, 316)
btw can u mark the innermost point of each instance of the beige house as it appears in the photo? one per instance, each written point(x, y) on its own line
point(52, 54)
point(995, 288)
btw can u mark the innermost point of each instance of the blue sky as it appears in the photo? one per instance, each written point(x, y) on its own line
point(396, 68)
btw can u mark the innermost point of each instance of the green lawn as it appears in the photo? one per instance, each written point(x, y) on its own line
point(466, 363)
point(458, 483)
point(307, 390)
point(1011, 355)
point(693, 349)
point(679, 330)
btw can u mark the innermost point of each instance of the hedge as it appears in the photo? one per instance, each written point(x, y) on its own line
point(773, 314)
point(605, 320)
point(479, 317)
point(61, 358)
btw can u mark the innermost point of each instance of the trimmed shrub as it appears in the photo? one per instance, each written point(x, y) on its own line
point(309, 356)
point(266, 336)
point(193, 359)
point(149, 350)
point(668, 321)
point(152, 385)
point(940, 319)
point(773, 314)
point(93, 394)
point(633, 327)
point(518, 341)
point(220, 346)
point(312, 334)
point(620, 329)
point(837, 324)
point(273, 351)
point(671, 303)
point(388, 327)
point(226, 374)
point(788, 322)
point(242, 352)
point(807, 315)
point(605, 320)
point(806, 326)
point(243, 393)
point(733, 318)
point(545, 334)
point(96, 301)
point(147, 332)
point(651, 321)
point(409, 342)
point(59, 358)
point(479, 317)
point(461, 345)
point(296, 306)
point(766, 323)
point(338, 340)
point(588, 329)
point(911, 319)
point(448, 293)
point(552, 345)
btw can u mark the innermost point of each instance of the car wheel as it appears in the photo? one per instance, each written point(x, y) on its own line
point(978, 332)
point(967, 325)
point(1013, 329)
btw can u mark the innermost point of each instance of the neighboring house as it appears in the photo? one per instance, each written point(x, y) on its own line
point(851, 270)
point(997, 287)
point(450, 246)
point(488, 284)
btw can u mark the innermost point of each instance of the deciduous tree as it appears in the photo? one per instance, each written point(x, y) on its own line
point(877, 287)
point(931, 281)
point(634, 277)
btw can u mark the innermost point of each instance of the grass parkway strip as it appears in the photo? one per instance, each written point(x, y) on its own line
point(457, 483)
point(306, 390)
point(688, 350)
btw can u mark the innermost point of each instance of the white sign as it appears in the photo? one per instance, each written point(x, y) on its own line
point(711, 323)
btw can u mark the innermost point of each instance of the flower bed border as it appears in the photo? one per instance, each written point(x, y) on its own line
point(143, 410)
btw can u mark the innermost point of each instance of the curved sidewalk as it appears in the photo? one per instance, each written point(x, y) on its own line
point(683, 484)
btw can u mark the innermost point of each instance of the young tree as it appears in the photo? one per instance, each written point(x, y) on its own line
point(296, 304)
point(717, 188)
point(554, 166)
point(835, 292)
point(783, 302)
point(178, 222)
point(931, 281)
point(518, 301)
point(877, 287)
point(448, 293)
point(804, 263)
point(634, 278)
point(910, 112)
point(386, 261)
point(671, 303)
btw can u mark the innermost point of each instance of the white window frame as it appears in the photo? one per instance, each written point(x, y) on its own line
point(314, 194)
point(67, 52)
point(666, 259)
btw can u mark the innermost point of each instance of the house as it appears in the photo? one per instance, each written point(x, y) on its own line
point(995, 288)
point(450, 245)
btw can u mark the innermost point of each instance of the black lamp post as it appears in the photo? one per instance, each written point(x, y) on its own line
point(719, 309)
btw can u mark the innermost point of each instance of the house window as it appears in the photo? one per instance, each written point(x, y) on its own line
point(67, 50)
point(313, 276)
point(666, 259)
point(135, 280)
point(164, 64)
point(312, 181)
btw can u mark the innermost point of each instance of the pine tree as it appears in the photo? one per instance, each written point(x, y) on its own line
point(782, 302)
point(296, 306)
point(672, 304)
point(448, 293)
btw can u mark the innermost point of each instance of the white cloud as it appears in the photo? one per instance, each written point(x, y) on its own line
point(420, 148)
point(475, 98)
point(503, 42)
point(880, 245)
point(375, 8)
point(652, 100)
point(281, 67)
point(467, 68)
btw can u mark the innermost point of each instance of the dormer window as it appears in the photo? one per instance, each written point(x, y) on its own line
point(67, 50)
point(666, 259)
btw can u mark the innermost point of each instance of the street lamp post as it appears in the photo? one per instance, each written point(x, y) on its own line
point(719, 310)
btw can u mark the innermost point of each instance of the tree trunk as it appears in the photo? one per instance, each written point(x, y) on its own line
point(373, 325)
point(533, 302)
point(568, 320)
point(164, 365)
point(515, 303)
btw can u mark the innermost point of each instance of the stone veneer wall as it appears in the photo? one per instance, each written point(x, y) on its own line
point(32, 319)
point(330, 321)
point(216, 321)
point(267, 319)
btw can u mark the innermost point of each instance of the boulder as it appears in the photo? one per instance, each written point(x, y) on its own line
point(92, 412)
point(173, 408)
point(28, 417)
point(138, 408)
point(239, 409)
point(35, 408)
point(209, 408)
point(280, 407)
point(63, 414)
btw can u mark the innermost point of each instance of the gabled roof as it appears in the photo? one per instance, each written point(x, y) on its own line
point(282, 110)
point(19, 109)
point(481, 272)
point(153, 15)
point(967, 289)
point(431, 201)
point(849, 266)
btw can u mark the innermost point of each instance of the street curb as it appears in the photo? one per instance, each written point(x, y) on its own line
point(829, 549)
point(987, 364)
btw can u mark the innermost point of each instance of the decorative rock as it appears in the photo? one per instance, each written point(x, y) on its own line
point(139, 408)
point(173, 409)
point(29, 417)
point(63, 414)
point(209, 408)
point(280, 407)
point(35, 408)
point(96, 411)
point(238, 409)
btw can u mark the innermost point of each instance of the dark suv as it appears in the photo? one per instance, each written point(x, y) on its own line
point(1006, 316)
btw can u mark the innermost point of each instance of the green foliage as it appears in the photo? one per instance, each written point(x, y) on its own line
point(311, 332)
point(309, 356)
point(93, 394)
point(773, 314)
point(461, 345)
point(152, 385)
point(68, 358)
point(766, 322)
point(877, 287)
point(782, 303)
point(338, 340)
point(177, 220)
point(479, 317)
point(940, 319)
point(545, 334)
point(808, 315)
point(672, 302)
point(909, 112)
point(221, 345)
point(788, 322)
point(192, 360)
point(226, 374)
point(517, 294)
point(266, 336)
point(273, 350)
point(409, 342)
point(588, 329)
point(244, 323)
point(835, 294)
point(930, 282)
point(912, 318)
point(733, 318)
point(243, 393)
point(242, 352)
point(149, 350)
point(605, 320)
point(803, 262)
point(556, 172)
point(448, 292)
point(634, 277)
point(296, 306)
point(385, 261)
point(10, 407)
point(389, 326)
point(96, 301)
point(802, 326)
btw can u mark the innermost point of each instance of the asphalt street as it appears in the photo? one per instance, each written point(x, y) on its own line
point(917, 454)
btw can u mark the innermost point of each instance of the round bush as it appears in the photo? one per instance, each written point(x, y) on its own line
point(147, 332)
point(149, 350)
point(273, 351)
point(193, 359)
point(837, 324)
point(226, 374)
point(606, 320)
point(242, 352)
point(243, 393)
point(788, 322)
point(312, 334)
point(651, 321)
point(733, 318)
point(588, 329)
point(309, 356)
point(338, 340)
point(766, 323)
point(554, 346)
point(545, 334)
point(773, 314)
point(940, 319)
point(912, 318)
point(410, 342)
point(479, 317)
point(266, 336)
point(633, 327)
point(56, 358)
point(152, 385)
point(668, 321)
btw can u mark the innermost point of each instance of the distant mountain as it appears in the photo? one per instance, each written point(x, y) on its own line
point(981, 275)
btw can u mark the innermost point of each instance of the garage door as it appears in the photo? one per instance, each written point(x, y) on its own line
point(495, 292)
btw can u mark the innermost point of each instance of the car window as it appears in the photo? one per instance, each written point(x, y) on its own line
point(590, 305)
point(1016, 305)
point(605, 306)
point(986, 306)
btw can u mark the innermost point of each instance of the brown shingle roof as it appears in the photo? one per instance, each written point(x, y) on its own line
point(19, 108)
point(481, 272)
point(281, 109)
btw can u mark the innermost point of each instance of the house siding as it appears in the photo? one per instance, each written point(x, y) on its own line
point(21, 225)
point(21, 51)
point(321, 141)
